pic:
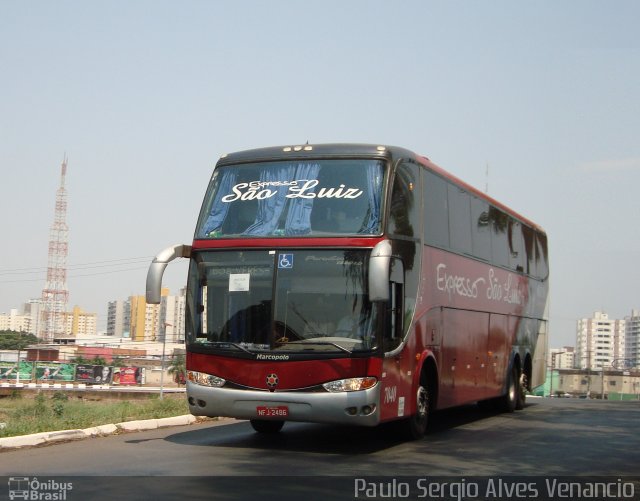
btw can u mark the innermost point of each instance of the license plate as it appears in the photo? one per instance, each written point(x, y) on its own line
point(277, 411)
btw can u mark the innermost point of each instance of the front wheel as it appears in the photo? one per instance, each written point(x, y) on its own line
point(264, 426)
point(415, 426)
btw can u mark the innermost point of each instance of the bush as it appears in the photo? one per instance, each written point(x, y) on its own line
point(58, 409)
point(60, 396)
point(40, 407)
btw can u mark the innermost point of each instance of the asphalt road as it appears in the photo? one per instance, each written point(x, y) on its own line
point(550, 438)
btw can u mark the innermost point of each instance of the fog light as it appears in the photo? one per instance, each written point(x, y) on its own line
point(368, 409)
point(202, 403)
point(352, 411)
point(192, 401)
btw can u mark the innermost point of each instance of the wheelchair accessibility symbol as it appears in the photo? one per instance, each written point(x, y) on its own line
point(285, 261)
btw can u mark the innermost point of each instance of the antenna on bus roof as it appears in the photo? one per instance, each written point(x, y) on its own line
point(486, 184)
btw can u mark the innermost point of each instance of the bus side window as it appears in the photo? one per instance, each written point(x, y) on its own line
point(436, 211)
point(394, 331)
point(404, 213)
point(542, 264)
point(499, 222)
point(529, 249)
point(516, 246)
point(459, 219)
point(480, 230)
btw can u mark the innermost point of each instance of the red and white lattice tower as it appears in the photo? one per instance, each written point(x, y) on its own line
point(55, 294)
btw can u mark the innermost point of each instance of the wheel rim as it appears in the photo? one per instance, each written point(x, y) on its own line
point(423, 404)
point(512, 388)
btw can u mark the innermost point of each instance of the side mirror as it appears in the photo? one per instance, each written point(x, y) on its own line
point(379, 268)
point(157, 267)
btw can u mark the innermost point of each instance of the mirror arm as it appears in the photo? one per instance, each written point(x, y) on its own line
point(157, 267)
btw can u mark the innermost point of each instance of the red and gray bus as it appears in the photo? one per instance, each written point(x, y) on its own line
point(356, 284)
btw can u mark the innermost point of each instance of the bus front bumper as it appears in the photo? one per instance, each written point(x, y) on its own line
point(355, 407)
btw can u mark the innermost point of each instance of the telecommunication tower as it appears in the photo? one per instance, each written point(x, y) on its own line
point(55, 294)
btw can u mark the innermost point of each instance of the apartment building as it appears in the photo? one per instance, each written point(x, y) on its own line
point(600, 341)
point(13, 321)
point(172, 314)
point(77, 322)
point(632, 340)
point(80, 323)
point(119, 319)
point(134, 319)
point(561, 358)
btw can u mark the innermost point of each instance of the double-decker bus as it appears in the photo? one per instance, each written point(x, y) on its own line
point(356, 284)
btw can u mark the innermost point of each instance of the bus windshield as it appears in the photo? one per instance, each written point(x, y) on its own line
point(280, 301)
point(298, 198)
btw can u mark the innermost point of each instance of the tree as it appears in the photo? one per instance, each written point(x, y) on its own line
point(80, 360)
point(178, 368)
point(119, 361)
point(12, 340)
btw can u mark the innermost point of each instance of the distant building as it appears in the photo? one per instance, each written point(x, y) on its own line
point(172, 317)
point(632, 340)
point(33, 309)
point(79, 323)
point(14, 322)
point(134, 319)
point(606, 384)
point(119, 319)
point(599, 341)
point(145, 318)
point(561, 358)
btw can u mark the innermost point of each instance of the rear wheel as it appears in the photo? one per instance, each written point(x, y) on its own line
point(415, 426)
point(522, 391)
point(509, 401)
point(264, 426)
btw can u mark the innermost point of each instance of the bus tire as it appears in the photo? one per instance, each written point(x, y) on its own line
point(522, 392)
point(266, 426)
point(414, 427)
point(510, 399)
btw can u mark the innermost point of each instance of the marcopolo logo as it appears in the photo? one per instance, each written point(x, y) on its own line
point(34, 489)
point(266, 356)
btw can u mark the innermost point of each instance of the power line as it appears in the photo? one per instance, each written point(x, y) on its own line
point(73, 276)
point(114, 266)
point(80, 266)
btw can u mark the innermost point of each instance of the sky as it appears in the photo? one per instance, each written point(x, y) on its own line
point(143, 97)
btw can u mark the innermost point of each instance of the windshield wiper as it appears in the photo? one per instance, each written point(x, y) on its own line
point(225, 344)
point(321, 343)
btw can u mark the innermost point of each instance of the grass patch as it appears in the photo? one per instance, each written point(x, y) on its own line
point(53, 412)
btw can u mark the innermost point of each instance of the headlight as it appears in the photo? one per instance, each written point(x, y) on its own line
point(205, 379)
point(351, 384)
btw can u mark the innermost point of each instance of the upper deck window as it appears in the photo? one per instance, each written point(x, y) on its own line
point(300, 198)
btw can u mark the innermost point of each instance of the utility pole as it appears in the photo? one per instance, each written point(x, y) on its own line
point(553, 364)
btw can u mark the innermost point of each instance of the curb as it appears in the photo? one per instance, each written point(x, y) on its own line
point(49, 437)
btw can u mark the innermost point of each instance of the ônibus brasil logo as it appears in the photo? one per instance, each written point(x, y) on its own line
point(34, 489)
